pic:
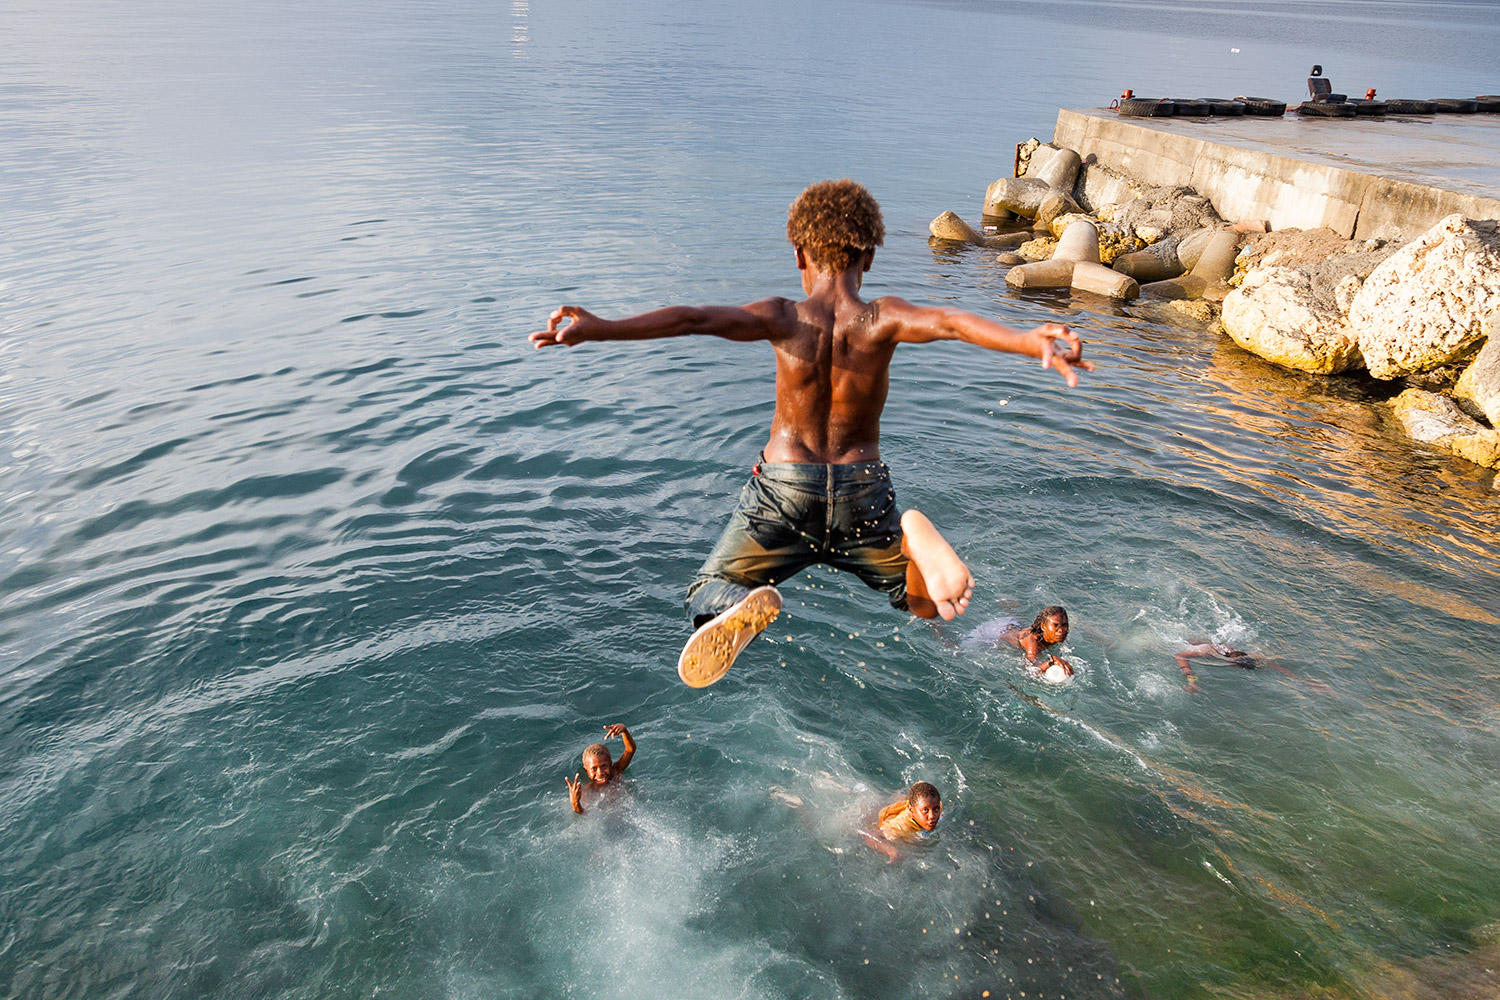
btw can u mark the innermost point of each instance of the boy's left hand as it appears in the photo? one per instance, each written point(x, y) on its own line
point(613, 730)
point(1063, 361)
point(558, 333)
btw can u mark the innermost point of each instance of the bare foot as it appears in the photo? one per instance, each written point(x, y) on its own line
point(938, 583)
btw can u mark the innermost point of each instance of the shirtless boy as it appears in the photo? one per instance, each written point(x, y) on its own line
point(820, 493)
point(597, 765)
point(905, 821)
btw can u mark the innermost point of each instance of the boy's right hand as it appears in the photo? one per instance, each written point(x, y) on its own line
point(575, 790)
point(575, 332)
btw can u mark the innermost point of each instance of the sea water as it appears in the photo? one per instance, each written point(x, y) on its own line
point(317, 579)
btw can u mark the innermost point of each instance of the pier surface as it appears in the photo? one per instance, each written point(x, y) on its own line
point(1388, 178)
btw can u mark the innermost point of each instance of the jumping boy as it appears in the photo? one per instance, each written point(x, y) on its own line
point(820, 493)
point(597, 765)
point(905, 821)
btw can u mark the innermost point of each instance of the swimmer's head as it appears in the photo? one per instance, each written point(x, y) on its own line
point(1051, 624)
point(597, 764)
point(925, 805)
point(834, 223)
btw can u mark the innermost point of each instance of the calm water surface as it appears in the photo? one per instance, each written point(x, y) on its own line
point(316, 580)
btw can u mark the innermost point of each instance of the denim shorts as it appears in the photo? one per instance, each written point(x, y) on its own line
point(792, 515)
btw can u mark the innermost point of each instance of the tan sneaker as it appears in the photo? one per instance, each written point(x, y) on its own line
point(710, 652)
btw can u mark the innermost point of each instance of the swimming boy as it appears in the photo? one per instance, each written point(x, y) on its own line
point(1048, 629)
point(597, 765)
point(1208, 649)
point(905, 821)
point(820, 493)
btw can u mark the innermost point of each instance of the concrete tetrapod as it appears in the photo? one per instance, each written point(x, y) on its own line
point(1209, 277)
point(1075, 265)
point(949, 226)
point(1048, 193)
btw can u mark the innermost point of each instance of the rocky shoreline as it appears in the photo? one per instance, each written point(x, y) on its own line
point(1417, 314)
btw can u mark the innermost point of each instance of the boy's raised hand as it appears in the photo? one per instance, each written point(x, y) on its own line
point(614, 729)
point(566, 335)
point(575, 791)
point(1063, 361)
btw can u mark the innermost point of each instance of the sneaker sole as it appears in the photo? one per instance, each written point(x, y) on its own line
point(712, 649)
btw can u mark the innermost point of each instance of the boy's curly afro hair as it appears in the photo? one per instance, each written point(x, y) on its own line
point(922, 791)
point(835, 222)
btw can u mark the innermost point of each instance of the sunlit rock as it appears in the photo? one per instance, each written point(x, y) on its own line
point(1428, 303)
point(1479, 385)
point(1277, 315)
point(1435, 419)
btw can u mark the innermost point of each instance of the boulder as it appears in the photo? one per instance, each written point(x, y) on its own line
point(1277, 315)
point(1479, 385)
point(1427, 304)
point(1436, 420)
point(1169, 209)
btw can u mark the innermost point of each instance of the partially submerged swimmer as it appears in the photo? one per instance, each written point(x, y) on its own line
point(1049, 628)
point(598, 765)
point(906, 821)
point(1208, 649)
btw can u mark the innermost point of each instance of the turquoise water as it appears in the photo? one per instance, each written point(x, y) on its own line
point(316, 580)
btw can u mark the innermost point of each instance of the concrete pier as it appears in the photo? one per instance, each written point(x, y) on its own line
point(1364, 178)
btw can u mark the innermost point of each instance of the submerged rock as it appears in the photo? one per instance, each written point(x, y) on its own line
point(1277, 315)
point(1427, 304)
point(1437, 420)
point(1479, 385)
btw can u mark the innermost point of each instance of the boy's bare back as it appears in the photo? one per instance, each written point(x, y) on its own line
point(833, 353)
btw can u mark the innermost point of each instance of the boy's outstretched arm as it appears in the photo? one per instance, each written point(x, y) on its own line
point(618, 729)
point(763, 320)
point(923, 324)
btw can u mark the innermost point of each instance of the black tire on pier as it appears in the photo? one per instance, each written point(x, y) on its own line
point(1489, 103)
point(1263, 106)
point(1223, 107)
point(1366, 108)
point(1142, 107)
point(1186, 107)
point(1406, 106)
point(1320, 109)
point(1454, 106)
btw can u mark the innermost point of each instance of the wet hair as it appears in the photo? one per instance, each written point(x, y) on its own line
point(835, 222)
point(595, 750)
point(1048, 612)
point(922, 790)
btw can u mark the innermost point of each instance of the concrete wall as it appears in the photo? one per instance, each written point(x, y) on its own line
point(1253, 184)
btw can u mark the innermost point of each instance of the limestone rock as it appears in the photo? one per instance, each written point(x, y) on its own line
point(1344, 292)
point(1434, 419)
point(1427, 304)
point(1479, 385)
point(1038, 249)
point(1277, 315)
point(1010, 258)
point(1191, 310)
